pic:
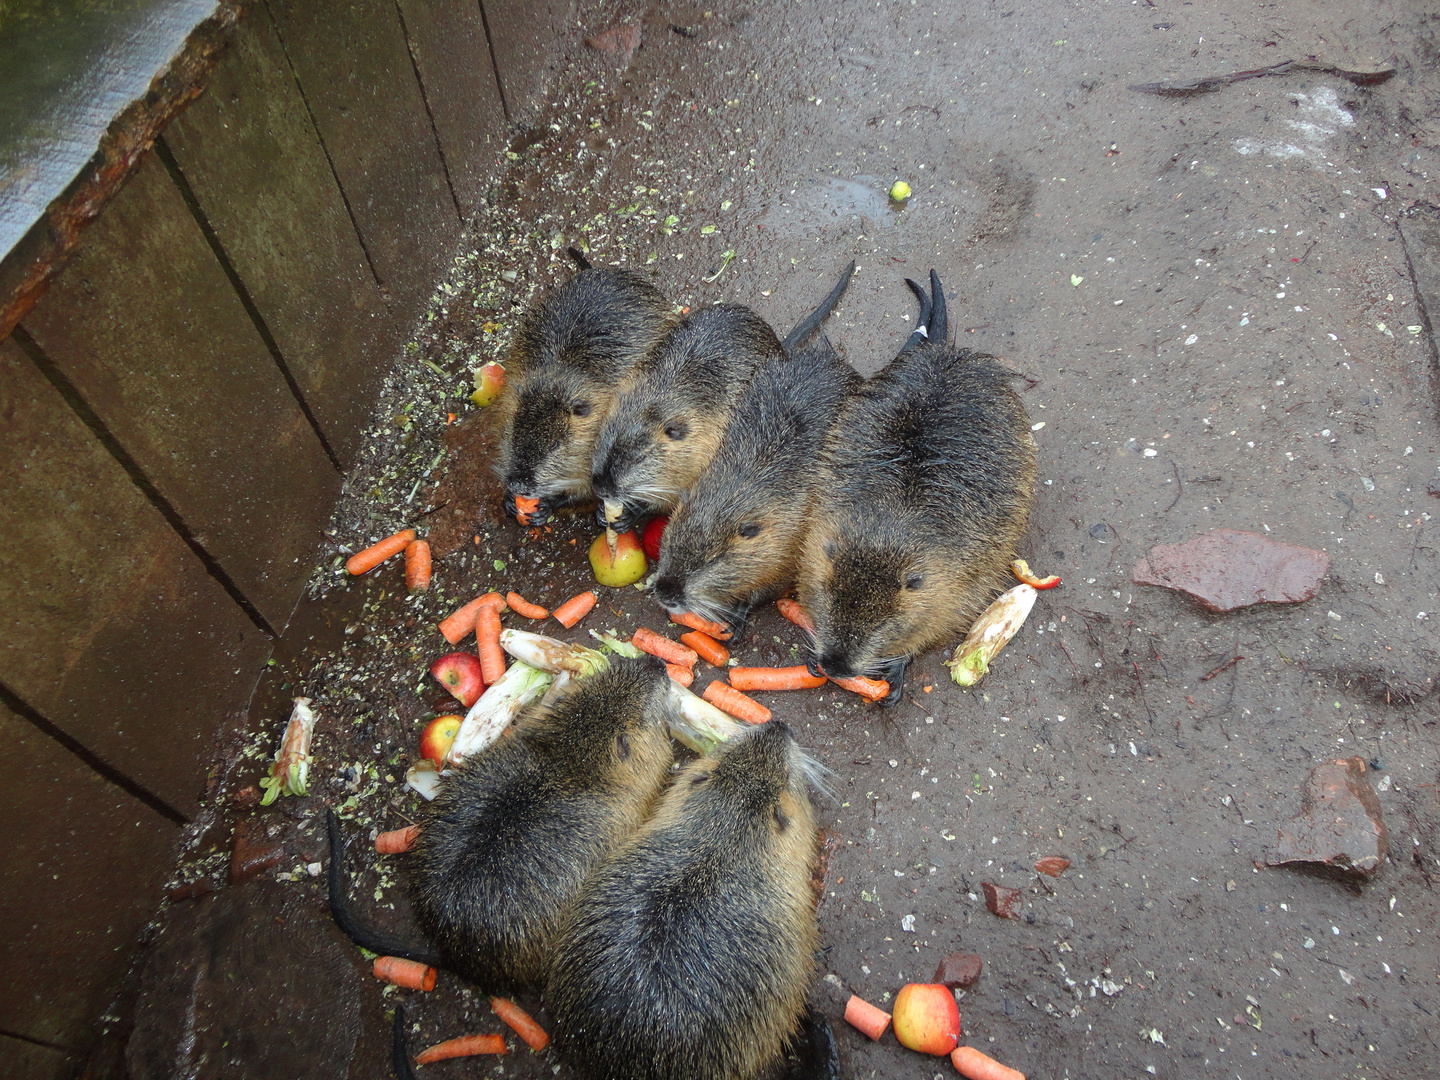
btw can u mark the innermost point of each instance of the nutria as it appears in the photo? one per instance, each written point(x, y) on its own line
point(921, 499)
point(571, 350)
point(673, 408)
point(734, 537)
point(690, 950)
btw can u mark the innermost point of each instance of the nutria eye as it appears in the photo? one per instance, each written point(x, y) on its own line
point(830, 549)
point(677, 430)
point(622, 747)
point(914, 581)
point(749, 530)
point(696, 781)
point(580, 408)
point(781, 821)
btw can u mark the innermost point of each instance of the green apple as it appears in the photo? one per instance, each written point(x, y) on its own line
point(625, 567)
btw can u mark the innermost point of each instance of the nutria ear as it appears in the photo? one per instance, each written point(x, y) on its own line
point(830, 549)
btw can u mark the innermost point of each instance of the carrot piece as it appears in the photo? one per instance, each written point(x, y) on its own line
point(672, 652)
point(1021, 569)
point(683, 675)
point(417, 565)
point(710, 650)
point(521, 1022)
point(396, 840)
point(863, 1016)
point(465, 1046)
point(774, 678)
point(524, 508)
point(574, 609)
point(792, 610)
point(728, 699)
point(869, 689)
point(487, 644)
point(407, 973)
point(455, 626)
point(719, 631)
point(521, 606)
point(363, 561)
point(978, 1066)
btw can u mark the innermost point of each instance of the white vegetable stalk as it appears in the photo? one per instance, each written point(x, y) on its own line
point(491, 714)
point(997, 624)
point(697, 723)
point(547, 654)
point(424, 778)
point(290, 773)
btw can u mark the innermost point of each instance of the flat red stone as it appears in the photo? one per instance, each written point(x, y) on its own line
point(1001, 900)
point(1227, 569)
point(1339, 822)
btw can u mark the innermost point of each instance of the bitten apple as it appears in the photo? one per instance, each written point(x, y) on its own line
point(489, 381)
point(438, 737)
point(461, 674)
point(926, 1018)
point(628, 565)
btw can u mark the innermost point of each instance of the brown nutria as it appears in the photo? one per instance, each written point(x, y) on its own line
point(506, 845)
point(690, 950)
point(673, 409)
point(571, 350)
point(921, 499)
point(733, 539)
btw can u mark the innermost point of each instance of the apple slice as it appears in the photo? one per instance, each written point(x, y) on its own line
point(927, 1018)
point(460, 673)
point(626, 567)
point(438, 737)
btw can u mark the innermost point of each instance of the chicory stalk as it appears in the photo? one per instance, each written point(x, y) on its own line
point(997, 624)
point(290, 773)
point(492, 712)
point(697, 723)
point(550, 655)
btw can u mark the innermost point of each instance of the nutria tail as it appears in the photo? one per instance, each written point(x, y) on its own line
point(808, 325)
point(578, 257)
point(367, 937)
point(400, 1047)
point(932, 325)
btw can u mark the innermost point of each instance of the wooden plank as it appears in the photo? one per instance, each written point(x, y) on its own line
point(258, 172)
point(147, 327)
point(447, 41)
point(82, 874)
point(113, 630)
point(356, 74)
point(523, 34)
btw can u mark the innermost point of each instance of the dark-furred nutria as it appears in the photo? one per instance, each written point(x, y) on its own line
point(507, 843)
point(921, 499)
point(673, 408)
point(690, 950)
point(734, 537)
point(570, 352)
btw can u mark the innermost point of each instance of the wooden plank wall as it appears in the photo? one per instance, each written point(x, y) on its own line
point(178, 411)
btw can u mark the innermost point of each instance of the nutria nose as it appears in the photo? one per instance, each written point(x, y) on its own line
point(832, 665)
point(669, 591)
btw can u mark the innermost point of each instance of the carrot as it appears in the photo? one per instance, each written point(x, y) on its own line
point(727, 698)
point(417, 566)
point(683, 675)
point(396, 840)
point(709, 649)
point(978, 1066)
point(363, 561)
point(521, 606)
point(487, 644)
point(455, 626)
point(574, 609)
point(863, 1016)
point(407, 973)
point(1021, 569)
point(774, 678)
point(792, 610)
point(465, 1046)
point(521, 1022)
point(524, 508)
point(869, 689)
point(670, 651)
point(719, 631)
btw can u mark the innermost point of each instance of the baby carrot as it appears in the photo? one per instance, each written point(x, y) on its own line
point(487, 644)
point(521, 606)
point(524, 508)
point(465, 1046)
point(860, 1014)
point(978, 1066)
point(455, 626)
point(407, 973)
point(574, 609)
point(683, 675)
point(730, 700)
point(774, 678)
point(364, 561)
point(417, 566)
point(869, 689)
point(709, 649)
point(792, 610)
point(669, 651)
point(396, 840)
point(522, 1023)
point(719, 631)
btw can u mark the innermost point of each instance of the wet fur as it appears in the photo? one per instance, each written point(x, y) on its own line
point(690, 950)
point(511, 837)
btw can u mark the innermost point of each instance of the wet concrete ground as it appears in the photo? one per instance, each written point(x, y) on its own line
point(1216, 302)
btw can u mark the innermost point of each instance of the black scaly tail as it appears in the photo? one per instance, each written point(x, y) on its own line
point(366, 937)
point(939, 326)
point(579, 257)
point(921, 332)
point(400, 1048)
point(808, 325)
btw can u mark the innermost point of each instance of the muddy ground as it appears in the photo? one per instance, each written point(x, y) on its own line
point(1217, 304)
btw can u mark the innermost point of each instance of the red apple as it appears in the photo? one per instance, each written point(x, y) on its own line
point(926, 1018)
point(650, 538)
point(489, 381)
point(628, 565)
point(438, 737)
point(459, 672)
